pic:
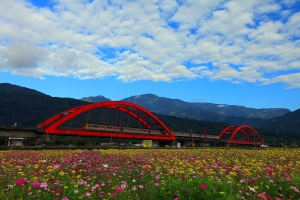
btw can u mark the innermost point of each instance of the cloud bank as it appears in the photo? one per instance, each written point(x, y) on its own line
point(238, 41)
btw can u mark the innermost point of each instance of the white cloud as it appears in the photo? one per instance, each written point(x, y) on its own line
point(22, 54)
point(288, 2)
point(293, 80)
point(238, 41)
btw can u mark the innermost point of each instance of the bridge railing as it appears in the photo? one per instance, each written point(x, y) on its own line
point(181, 134)
point(14, 127)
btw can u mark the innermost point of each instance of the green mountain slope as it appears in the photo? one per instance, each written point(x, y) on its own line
point(289, 122)
point(28, 107)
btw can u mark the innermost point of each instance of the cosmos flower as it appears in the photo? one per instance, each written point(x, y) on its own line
point(20, 182)
point(203, 186)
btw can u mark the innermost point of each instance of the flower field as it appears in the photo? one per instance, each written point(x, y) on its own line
point(151, 174)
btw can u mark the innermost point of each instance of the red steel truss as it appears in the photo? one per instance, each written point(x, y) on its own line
point(244, 135)
point(51, 125)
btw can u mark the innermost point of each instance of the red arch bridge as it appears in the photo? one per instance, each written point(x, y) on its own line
point(119, 119)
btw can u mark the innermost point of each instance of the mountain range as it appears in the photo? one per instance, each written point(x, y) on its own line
point(30, 107)
point(272, 119)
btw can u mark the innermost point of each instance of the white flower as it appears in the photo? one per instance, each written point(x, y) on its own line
point(251, 189)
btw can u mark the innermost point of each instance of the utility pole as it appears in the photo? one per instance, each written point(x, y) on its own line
point(192, 136)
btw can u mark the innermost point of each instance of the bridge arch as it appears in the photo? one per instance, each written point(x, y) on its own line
point(243, 135)
point(51, 125)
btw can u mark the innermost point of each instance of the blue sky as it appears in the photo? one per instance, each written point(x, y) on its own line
point(224, 52)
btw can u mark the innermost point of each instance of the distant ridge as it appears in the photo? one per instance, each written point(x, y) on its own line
point(179, 108)
point(96, 99)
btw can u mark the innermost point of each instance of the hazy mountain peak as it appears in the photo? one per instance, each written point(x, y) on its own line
point(95, 99)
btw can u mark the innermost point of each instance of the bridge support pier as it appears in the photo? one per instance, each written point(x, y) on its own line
point(162, 143)
point(41, 140)
point(20, 136)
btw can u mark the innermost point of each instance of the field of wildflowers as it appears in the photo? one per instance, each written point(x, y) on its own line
point(151, 174)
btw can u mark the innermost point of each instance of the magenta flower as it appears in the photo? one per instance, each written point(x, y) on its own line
point(288, 179)
point(203, 186)
point(20, 182)
point(102, 194)
point(35, 184)
point(119, 189)
point(262, 196)
point(58, 192)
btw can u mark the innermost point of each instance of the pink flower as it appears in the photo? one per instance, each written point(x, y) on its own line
point(262, 196)
point(65, 198)
point(35, 184)
point(20, 182)
point(123, 185)
point(87, 194)
point(295, 189)
point(156, 184)
point(44, 185)
point(203, 186)
point(288, 179)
